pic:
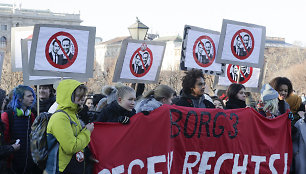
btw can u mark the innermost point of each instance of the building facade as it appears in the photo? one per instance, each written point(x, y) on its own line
point(12, 16)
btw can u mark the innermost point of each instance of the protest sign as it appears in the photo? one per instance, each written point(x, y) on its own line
point(241, 44)
point(139, 61)
point(199, 50)
point(18, 33)
point(36, 80)
point(250, 77)
point(60, 50)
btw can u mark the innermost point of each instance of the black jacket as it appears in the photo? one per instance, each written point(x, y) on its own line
point(186, 100)
point(114, 113)
point(5, 150)
point(44, 105)
point(235, 104)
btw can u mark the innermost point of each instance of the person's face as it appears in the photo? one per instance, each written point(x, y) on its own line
point(218, 104)
point(145, 58)
point(89, 103)
point(28, 98)
point(79, 98)
point(199, 87)
point(236, 69)
point(200, 48)
point(137, 60)
point(208, 47)
point(44, 92)
point(167, 101)
point(56, 47)
point(241, 94)
point(283, 92)
point(246, 40)
point(238, 42)
point(66, 46)
point(127, 101)
point(243, 69)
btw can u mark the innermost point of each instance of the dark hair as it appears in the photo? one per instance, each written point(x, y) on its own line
point(88, 98)
point(66, 39)
point(233, 90)
point(189, 80)
point(96, 98)
point(53, 42)
point(145, 53)
point(279, 81)
point(217, 98)
point(50, 86)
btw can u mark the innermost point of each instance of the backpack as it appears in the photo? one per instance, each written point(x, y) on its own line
point(38, 138)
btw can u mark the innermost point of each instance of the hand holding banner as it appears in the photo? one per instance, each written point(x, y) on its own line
point(180, 139)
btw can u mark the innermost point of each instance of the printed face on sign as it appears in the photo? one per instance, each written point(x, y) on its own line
point(242, 44)
point(204, 51)
point(141, 61)
point(244, 74)
point(61, 50)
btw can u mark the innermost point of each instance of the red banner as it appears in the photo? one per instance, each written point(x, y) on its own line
point(174, 139)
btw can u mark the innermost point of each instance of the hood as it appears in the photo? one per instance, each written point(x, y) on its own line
point(147, 104)
point(64, 92)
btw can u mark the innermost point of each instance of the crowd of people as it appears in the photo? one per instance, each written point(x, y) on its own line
point(69, 128)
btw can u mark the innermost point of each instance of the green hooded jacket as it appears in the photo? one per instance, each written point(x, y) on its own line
point(60, 127)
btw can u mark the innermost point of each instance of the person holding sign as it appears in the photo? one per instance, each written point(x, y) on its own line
point(193, 91)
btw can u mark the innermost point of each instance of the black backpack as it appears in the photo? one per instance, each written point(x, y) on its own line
point(38, 138)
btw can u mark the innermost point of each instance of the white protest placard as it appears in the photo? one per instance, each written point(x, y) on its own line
point(250, 77)
point(18, 33)
point(199, 50)
point(139, 61)
point(241, 44)
point(60, 50)
point(35, 80)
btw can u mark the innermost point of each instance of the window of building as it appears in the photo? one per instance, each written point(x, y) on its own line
point(3, 27)
point(3, 42)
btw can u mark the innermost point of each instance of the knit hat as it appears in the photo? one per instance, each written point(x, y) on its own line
point(268, 93)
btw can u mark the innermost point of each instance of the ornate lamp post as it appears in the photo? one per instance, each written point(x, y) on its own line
point(138, 30)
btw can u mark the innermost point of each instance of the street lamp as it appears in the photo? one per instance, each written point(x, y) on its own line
point(138, 30)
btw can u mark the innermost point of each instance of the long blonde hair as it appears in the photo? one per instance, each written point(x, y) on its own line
point(272, 106)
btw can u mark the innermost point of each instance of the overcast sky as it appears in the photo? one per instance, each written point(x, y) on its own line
point(282, 18)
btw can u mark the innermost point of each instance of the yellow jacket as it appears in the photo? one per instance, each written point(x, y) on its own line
point(59, 125)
